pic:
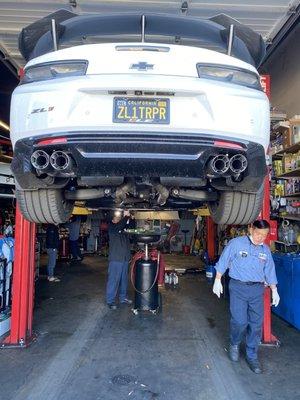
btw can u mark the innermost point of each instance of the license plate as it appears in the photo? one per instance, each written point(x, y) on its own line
point(141, 111)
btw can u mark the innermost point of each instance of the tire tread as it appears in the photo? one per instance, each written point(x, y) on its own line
point(44, 206)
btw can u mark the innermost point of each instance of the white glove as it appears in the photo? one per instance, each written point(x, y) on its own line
point(275, 297)
point(218, 288)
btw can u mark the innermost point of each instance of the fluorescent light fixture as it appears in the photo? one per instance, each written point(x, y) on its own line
point(4, 125)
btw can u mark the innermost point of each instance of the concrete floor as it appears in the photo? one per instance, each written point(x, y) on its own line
point(85, 351)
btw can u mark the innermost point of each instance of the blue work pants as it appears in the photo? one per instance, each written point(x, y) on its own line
point(247, 311)
point(117, 281)
point(52, 255)
point(74, 249)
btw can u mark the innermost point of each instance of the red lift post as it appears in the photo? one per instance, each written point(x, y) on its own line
point(267, 337)
point(211, 238)
point(21, 334)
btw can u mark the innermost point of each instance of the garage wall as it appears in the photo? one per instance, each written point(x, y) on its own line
point(283, 66)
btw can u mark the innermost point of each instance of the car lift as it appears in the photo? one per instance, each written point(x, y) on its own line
point(21, 333)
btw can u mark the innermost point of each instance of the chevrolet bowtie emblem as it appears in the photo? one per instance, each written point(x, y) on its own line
point(142, 66)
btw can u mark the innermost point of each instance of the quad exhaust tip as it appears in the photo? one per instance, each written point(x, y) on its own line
point(60, 160)
point(238, 163)
point(219, 164)
point(40, 160)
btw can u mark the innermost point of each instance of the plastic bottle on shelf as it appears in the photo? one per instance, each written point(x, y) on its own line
point(291, 234)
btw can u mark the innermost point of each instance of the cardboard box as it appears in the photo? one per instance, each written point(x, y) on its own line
point(295, 125)
point(287, 138)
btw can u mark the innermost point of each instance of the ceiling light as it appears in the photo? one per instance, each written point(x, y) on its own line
point(4, 125)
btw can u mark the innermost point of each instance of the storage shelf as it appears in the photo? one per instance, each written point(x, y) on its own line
point(292, 195)
point(290, 174)
point(286, 244)
point(292, 149)
point(291, 216)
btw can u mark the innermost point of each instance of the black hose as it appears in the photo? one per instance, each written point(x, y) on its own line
point(152, 285)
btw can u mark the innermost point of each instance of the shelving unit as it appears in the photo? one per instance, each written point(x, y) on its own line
point(292, 195)
point(286, 180)
point(292, 149)
point(290, 216)
point(295, 173)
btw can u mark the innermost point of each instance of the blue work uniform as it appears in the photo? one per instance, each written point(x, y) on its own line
point(250, 267)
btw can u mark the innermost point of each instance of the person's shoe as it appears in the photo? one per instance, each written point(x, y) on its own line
point(112, 306)
point(234, 352)
point(126, 301)
point(53, 279)
point(255, 366)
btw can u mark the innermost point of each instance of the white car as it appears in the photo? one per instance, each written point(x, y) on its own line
point(150, 113)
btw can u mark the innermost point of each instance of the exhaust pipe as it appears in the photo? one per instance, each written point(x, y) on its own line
point(60, 161)
point(238, 163)
point(40, 160)
point(123, 190)
point(87, 194)
point(218, 165)
point(163, 194)
point(198, 195)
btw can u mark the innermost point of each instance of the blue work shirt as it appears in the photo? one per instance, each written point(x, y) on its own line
point(247, 262)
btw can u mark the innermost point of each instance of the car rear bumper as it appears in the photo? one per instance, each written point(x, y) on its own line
point(144, 154)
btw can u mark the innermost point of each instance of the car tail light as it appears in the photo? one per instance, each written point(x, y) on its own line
point(228, 145)
point(54, 70)
point(46, 142)
point(21, 73)
point(227, 74)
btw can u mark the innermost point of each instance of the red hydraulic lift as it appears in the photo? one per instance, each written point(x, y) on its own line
point(21, 334)
point(267, 337)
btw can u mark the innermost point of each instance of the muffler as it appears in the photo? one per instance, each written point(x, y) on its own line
point(218, 165)
point(40, 160)
point(61, 161)
point(238, 163)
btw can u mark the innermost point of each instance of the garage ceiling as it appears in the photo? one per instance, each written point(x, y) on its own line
point(264, 16)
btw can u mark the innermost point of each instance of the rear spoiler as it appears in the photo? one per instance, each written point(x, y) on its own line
point(31, 34)
point(215, 33)
point(253, 41)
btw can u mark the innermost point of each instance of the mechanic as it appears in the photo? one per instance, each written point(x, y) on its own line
point(74, 229)
point(119, 256)
point(250, 266)
point(52, 244)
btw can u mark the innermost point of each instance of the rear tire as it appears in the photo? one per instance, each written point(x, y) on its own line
point(236, 208)
point(44, 206)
